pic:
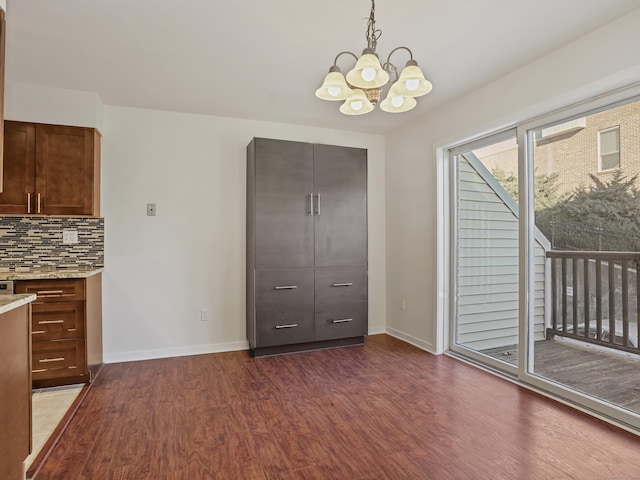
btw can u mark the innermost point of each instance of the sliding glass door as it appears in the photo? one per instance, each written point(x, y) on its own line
point(486, 251)
point(545, 240)
point(586, 203)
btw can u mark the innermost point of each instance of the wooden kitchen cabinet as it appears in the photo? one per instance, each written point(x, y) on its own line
point(66, 329)
point(15, 392)
point(50, 170)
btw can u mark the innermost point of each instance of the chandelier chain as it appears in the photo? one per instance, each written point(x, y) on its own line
point(372, 34)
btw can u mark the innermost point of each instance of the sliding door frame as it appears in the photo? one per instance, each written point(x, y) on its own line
point(523, 374)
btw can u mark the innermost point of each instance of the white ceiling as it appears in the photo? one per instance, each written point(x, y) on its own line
point(263, 59)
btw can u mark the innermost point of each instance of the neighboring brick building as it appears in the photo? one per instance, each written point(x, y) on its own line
point(601, 144)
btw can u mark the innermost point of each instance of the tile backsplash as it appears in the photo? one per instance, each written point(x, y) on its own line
point(36, 242)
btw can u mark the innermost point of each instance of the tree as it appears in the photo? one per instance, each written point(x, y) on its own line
point(546, 188)
point(604, 216)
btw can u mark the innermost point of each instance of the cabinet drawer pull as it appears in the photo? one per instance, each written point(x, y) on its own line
point(50, 292)
point(38, 331)
point(48, 360)
point(28, 202)
point(49, 322)
point(286, 287)
point(348, 284)
point(39, 203)
point(290, 325)
point(39, 370)
point(342, 320)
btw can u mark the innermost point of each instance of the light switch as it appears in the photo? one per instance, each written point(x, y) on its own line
point(151, 209)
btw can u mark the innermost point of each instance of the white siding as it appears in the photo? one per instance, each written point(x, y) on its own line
point(487, 276)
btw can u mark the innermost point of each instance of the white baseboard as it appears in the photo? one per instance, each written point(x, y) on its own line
point(416, 342)
point(175, 352)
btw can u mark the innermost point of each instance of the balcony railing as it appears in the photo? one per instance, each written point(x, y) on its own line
point(595, 297)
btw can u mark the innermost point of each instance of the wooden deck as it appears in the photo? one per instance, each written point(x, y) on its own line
point(608, 375)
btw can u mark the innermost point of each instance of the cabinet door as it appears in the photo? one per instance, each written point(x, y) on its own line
point(283, 217)
point(18, 195)
point(340, 175)
point(64, 170)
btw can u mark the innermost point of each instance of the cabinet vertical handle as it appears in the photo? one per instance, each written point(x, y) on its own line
point(29, 202)
point(39, 203)
point(318, 209)
point(311, 204)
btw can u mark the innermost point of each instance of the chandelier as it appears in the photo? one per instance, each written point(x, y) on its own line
point(362, 88)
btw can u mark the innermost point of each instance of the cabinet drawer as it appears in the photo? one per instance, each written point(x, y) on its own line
point(284, 325)
point(341, 320)
point(53, 290)
point(57, 320)
point(292, 286)
point(60, 358)
point(341, 284)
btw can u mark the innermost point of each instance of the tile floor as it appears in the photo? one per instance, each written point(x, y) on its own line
point(48, 407)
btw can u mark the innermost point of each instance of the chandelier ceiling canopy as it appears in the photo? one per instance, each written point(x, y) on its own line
point(362, 87)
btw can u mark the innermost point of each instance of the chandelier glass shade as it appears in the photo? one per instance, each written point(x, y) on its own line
point(360, 90)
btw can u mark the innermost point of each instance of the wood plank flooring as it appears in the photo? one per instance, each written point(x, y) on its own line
point(385, 410)
point(609, 375)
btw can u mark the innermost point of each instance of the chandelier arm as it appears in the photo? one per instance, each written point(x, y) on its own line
point(396, 49)
point(335, 62)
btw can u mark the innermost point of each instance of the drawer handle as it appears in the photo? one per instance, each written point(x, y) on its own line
point(48, 360)
point(342, 320)
point(39, 370)
point(49, 292)
point(286, 287)
point(348, 284)
point(290, 325)
point(50, 322)
point(38, 331)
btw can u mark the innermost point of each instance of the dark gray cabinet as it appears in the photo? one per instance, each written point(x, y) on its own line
point(306, 246)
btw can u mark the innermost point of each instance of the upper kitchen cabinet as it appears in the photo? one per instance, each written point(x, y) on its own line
point(50, 170)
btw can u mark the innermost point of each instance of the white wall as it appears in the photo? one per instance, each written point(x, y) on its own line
point(596, 63)
point(160, 271)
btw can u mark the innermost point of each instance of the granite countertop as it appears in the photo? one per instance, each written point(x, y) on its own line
point(9, 302)
point(47, 274)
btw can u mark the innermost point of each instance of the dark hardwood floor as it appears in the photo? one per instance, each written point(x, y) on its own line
point(385, 410)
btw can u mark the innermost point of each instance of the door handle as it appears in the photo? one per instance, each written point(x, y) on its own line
point(349, 284)
point(311, 204)
point(286, 287)
point(28, 202)
point(291, 325)
point(318, 206)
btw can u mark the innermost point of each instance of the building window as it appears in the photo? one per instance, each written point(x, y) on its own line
point(609, 149)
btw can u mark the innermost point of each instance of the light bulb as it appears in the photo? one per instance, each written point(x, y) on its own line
point(356, 105)
point(412, 84)
point(368, 74)
point(397, 101)
point(333, 91)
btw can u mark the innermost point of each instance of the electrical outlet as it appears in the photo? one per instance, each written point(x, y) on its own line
point(403, 304)
point(69, 236)
point(151, 209)
point(204, 315)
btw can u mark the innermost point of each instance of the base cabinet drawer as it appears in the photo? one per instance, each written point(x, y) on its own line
point(53, 290)
point(57, 320)
point(346, 320)
point(59, 358)
point(284, 325)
